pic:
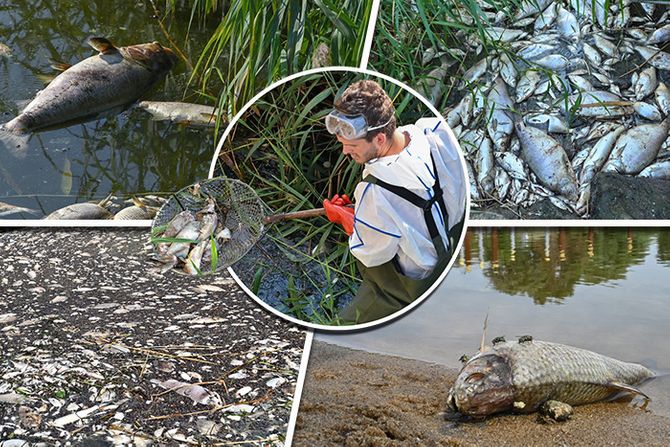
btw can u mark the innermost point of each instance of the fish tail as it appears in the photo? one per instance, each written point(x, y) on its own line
point(16, 143)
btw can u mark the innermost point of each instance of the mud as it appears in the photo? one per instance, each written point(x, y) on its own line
point(357, 398)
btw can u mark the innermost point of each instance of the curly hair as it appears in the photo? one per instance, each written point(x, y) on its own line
point(367, 98)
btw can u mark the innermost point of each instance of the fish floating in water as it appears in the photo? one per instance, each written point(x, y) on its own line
point(139, 210)
point(114, 78)
point(181, 112)
point(522, 376)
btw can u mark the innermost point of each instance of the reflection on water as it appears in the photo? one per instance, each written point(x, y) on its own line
point(126, 153)
point(547, 264)
point(600, 289)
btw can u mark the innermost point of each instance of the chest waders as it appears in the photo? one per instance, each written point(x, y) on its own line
point(385, 288)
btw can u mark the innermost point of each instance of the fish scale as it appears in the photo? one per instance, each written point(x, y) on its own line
point(543, 371)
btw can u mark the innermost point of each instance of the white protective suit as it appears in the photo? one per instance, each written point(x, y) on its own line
point(385, 225)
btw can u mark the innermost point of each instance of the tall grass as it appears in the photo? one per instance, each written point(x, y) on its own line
point(281, 148)
point(259, 41)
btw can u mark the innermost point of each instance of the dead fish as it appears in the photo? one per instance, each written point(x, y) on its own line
point(527, 85)
point(431, 87)
point(529, 8)
point(637, 148)
point(5, 51)
point(662, 95)
point(500, 124)
point(598, 155)
point(486, 166)
point(596, 104)
point(321, 56)
point(646, 83)
point(181, 112)
point(661, 35)
point(82, 211)
point(113, 78)
point(177, 223)
point(521, 376)
point(188, 233)
point(192, 263)
point(208, 219)
point(657, 170)
point(658, 59)
point(647, 111)
point(548, 160)
point(136, 212)
point(7, 209)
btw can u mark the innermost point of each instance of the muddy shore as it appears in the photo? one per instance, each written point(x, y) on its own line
point(357, 398)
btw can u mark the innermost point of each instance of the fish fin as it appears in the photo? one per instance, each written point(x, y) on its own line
point(482, 344)
point(59, 66)
point(102, 45)
point(626, 388)
point(16, 144)
point(138, 202)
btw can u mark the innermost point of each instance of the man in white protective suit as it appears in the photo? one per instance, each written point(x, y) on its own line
point(409, 208)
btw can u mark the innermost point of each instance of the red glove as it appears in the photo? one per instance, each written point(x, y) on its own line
point(338, 212)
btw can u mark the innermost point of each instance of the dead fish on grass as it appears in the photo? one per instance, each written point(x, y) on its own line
point(114, 78)
point(521, 376)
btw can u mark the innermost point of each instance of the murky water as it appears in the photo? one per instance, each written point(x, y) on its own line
point(606, 290)
point(124, 154)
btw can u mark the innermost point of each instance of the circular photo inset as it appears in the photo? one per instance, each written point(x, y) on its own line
point(365, 197)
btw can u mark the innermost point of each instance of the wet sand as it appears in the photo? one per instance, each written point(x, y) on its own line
point(357, 398)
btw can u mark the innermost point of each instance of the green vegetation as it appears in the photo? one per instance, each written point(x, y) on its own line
point(257, 42)
point(280, 147)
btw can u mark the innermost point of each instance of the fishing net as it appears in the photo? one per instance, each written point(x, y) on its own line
point(238, 208)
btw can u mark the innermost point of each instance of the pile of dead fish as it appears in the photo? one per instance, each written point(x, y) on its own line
point(139, 209)
point(191, 241)
point(572, 89)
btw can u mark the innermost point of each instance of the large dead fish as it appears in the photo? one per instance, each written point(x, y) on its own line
point(521, 376)
point(114, 78)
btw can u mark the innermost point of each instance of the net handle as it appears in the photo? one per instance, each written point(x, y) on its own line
point(315, 212)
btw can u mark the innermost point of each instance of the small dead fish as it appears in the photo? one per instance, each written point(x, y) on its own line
point(513, 165)
point(662, 95)
point(527, 84)
point(486, 166)
point(646, 83)
point(81, 211)
point(548, 160)
point(500, 124)
point(647, 111)
point(6, 210)
point(596, 104)
point(181, 112)
point(637, 148)
point(177, 223)
point(657, 170)
point(431, 87)
point(658, 59)
point(661, 35)
point(598, 155)
point(189, 232)
point(502, 183)
point(192, 263)
point(519, 377)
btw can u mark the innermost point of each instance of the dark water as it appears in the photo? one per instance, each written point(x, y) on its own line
point(606, 290)
point(125, 154)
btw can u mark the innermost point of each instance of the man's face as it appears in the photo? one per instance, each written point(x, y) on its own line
point(360, 150)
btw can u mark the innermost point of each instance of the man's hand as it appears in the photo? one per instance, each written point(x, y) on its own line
point(338, 212)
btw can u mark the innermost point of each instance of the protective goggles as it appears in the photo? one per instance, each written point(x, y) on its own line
point(349, 127)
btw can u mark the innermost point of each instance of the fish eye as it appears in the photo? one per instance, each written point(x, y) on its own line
point(475, 377)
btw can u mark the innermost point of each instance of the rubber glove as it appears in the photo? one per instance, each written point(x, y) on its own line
point(338, 212)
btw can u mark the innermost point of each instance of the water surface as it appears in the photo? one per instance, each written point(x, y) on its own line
point(601, 289)
point(124, 154)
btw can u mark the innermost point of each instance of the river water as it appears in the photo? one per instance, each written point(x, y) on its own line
point(125, 154)
point(605, 290)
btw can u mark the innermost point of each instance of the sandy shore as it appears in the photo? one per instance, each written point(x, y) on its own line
point(356, 398)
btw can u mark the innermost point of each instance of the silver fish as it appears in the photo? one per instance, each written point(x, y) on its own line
point(527, 85)
point(177, 223)
point(192, 263)
point(598, 155)
point(646, 83)
point(548, 160)
point(181, 112)
point(647, 111)
point(502, 183)
point(486, 166)
point(658, 59)
point(500, 124)
point(189, 232)
point(661, 35)
point(7, 209)
point(78, 211)
point(521, 376)
point(657, 170)
point(662, 95)
point(136, 213)
point(637, 148)
point(113, 78)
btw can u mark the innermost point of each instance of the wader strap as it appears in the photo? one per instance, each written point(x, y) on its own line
point(425, 205)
